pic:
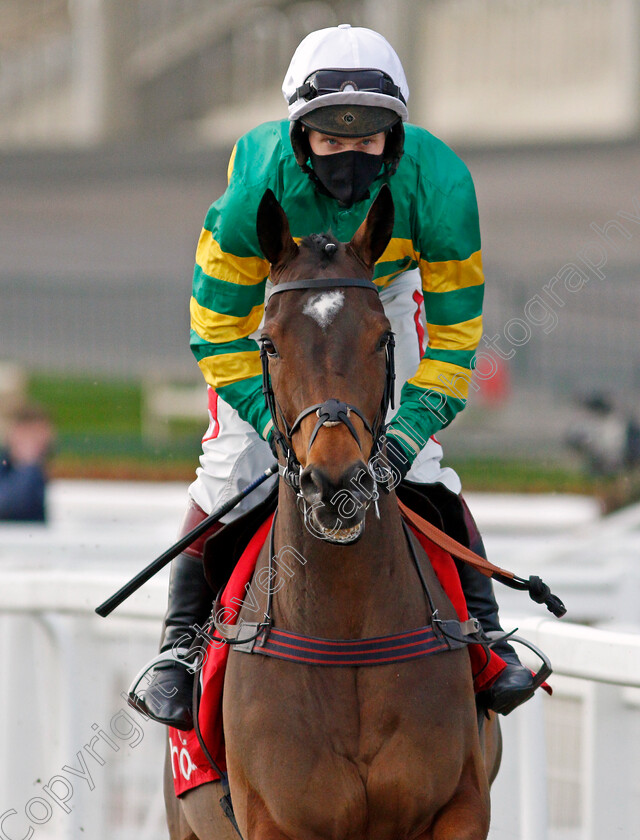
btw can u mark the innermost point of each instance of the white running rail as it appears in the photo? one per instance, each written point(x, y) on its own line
point(570, 768)
point(570, 762)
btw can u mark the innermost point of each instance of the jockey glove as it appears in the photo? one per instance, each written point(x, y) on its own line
point(398, 459)
point(272, 445)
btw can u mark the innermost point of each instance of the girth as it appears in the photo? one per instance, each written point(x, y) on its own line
point(263, 638)
point(438, 637)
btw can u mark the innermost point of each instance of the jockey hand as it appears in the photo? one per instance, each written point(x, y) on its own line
point(399, 460)
point(271, 440)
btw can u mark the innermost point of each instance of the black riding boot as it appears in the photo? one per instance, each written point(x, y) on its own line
point(515, 684)
point(164, 691)
point(449, 511)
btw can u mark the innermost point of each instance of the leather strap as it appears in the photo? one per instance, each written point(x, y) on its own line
point(438, 637)
point(382, 650)
point(450, 545)
point(324, 283)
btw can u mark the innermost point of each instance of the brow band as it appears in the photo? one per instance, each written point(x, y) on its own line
point(324, 283)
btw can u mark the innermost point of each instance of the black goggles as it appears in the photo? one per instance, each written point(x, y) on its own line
point(335, 81)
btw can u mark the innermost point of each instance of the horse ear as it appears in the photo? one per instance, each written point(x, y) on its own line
point(274, 234)
point(373, 235)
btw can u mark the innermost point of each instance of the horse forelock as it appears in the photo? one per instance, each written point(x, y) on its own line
point(317, 243)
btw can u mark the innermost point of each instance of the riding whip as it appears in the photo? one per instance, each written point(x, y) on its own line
point(160, 562)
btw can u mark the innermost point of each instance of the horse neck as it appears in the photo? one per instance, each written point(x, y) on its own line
point(367, 589)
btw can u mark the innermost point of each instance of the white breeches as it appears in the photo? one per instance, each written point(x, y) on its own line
point(234, 454)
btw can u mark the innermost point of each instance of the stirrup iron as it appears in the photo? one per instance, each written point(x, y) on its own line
point(545, 670)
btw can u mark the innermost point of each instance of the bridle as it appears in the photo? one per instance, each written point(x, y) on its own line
point(331, 412)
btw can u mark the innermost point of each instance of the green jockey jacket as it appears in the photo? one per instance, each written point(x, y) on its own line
point(436, 229)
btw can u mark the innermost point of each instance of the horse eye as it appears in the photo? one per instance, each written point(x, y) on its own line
point(269, 347)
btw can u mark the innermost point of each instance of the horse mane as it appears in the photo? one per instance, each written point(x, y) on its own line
point(317, 243)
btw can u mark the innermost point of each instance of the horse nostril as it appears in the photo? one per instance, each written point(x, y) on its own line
point(361, 484)
point(355, 484)
point(311, 483)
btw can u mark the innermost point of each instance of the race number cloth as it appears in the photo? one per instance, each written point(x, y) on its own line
point(189, 764)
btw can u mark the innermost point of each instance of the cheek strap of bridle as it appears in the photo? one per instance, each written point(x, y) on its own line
point(331, 412)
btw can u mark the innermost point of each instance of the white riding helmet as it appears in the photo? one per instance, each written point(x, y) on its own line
point(317, 87)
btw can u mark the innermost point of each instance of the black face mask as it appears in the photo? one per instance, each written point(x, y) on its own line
point(347, 175)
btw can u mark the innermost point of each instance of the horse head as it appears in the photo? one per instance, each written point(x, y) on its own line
point(326, 347)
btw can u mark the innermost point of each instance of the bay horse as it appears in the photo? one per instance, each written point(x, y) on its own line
point(391, 752)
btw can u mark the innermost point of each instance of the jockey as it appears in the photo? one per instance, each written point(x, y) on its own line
point(346, 136)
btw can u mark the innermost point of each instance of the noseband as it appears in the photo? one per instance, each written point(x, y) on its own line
point(331, 412)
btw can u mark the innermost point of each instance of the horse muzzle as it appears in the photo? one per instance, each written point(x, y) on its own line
point(335, 509)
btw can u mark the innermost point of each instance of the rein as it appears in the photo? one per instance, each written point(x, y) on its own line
point(331, 412)
point(535, 586)
point(262, 638)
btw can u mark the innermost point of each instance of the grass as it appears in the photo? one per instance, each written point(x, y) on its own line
point(496, 475)
point(99, 432)
point(519, 475)
point(88, 407)
point(99, 435)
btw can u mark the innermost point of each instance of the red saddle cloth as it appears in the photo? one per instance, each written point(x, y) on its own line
point(188, 761)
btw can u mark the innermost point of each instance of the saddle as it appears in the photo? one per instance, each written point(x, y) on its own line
point(438, 505)
point(433, 502)
point(223, 549)
point(444, 522)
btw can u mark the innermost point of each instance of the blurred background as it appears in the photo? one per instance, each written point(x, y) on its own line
point(117, 118)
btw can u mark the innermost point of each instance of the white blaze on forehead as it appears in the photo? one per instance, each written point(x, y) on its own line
point(324, 307)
